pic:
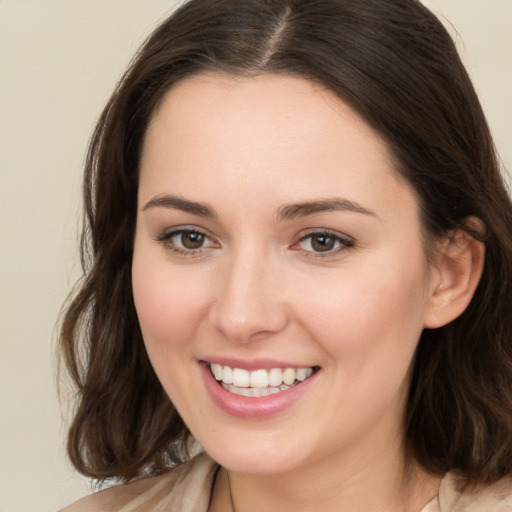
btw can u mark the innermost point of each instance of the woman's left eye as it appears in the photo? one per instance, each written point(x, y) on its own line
point(324, 243)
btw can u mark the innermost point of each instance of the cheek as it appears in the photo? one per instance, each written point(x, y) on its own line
point(375, 312)
point(169, 305)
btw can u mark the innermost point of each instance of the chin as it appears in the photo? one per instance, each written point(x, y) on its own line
point(262, 454)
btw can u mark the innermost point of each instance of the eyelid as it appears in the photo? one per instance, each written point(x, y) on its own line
point(346, 242)
point(166, 235)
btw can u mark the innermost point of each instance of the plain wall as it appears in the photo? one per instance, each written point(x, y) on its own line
point(59, 60)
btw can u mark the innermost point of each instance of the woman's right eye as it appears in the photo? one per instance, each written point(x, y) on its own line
point(186, 241)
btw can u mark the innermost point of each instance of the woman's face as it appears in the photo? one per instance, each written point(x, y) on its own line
point(273, 232)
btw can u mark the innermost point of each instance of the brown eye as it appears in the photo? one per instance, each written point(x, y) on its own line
point(186, 242)
point(322, 243)
point(192, 240)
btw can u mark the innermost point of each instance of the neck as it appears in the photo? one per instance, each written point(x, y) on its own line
point(369, 471)
point(384, 483)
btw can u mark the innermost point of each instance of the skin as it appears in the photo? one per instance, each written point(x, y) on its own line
point(245, 148)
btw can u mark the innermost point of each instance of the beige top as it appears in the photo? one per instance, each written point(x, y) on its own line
point(188, 487)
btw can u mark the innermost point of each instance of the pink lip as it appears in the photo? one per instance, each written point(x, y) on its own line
point(253, 407)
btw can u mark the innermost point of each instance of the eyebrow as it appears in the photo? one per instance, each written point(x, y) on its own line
point(177, 203)
point(298, 210)
point(286, 212)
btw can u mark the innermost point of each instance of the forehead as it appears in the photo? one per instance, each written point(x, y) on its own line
point(261, 137)
point(265, 104)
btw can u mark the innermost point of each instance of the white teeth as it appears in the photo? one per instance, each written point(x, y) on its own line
point(259, 379)
point(227, 375)
point(258, 382)
point(217, 371)
point(275, 377)
point(254, 392)
point(289, 376)
point(241, 378)
point(303, 373)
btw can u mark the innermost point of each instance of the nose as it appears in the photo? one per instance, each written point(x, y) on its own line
point(249, 301)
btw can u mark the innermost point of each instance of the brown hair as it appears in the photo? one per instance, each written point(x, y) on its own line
point(395, 64)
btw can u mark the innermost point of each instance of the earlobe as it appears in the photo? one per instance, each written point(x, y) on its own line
point(455, 276)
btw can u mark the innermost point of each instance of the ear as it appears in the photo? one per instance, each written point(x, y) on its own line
point(455, 275)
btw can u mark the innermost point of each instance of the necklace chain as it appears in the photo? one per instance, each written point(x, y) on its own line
point(230, 493)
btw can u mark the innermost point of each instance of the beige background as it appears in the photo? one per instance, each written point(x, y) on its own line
point(59, 59)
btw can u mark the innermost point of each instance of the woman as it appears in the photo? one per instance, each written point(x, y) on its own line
point(298, 253)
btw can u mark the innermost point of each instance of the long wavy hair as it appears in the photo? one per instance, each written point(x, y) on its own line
point(396, 66)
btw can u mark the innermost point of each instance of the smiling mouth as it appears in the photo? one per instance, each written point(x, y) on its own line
point(258, 383)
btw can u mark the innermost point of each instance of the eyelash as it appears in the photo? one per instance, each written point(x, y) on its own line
point(344, 243)
point(166, 239)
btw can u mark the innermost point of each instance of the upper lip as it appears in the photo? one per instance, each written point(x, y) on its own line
point(254, 364)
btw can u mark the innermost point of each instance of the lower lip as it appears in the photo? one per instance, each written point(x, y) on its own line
point(261, 407)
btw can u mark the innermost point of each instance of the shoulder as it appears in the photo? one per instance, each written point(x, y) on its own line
point(117, 497)
point(190, 482)
point(454, 497)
